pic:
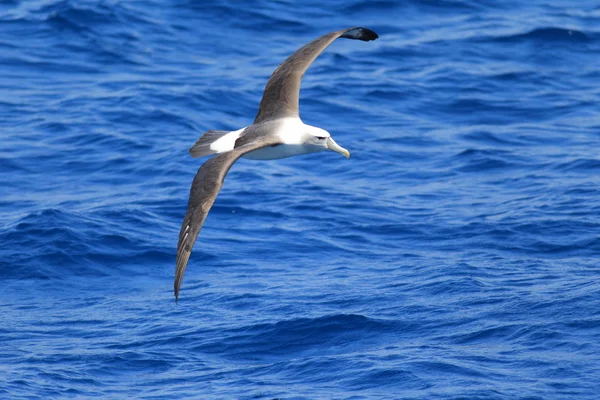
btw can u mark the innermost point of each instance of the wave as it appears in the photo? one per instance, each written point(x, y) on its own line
point(57, 244)
point(546, 35)
point(91, 32)
point(477, 160)
point(301, 337)
point(582, 165)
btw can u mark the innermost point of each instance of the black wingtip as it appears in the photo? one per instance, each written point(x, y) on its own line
point(364, 34)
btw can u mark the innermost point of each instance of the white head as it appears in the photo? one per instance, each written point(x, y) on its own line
point(319, 139)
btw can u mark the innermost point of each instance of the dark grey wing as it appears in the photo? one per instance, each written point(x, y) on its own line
point(205, 187)
point(280, 98)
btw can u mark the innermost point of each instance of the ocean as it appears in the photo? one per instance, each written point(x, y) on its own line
point(455, 255)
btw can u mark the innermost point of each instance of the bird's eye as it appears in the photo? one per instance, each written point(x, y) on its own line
point(321, 137)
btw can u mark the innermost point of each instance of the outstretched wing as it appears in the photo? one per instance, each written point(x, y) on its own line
point(280, 98)
point(205, 188)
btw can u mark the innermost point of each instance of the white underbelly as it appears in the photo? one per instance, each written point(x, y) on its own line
point(279, 151)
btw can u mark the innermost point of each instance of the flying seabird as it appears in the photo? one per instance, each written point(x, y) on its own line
point(277, 132)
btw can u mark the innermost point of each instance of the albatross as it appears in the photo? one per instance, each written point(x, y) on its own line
point(277, 132)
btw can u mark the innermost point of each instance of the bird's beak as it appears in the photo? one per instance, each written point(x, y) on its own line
point(333, 146)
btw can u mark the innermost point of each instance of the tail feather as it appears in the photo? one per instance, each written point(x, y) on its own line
point(202, 147)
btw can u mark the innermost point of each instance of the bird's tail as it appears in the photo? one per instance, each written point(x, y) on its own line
point(202, 147)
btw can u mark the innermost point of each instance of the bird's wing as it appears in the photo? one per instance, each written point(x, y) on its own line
point(204, 190)
point(280, 98)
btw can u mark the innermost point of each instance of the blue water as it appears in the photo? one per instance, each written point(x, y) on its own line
point(454, 256)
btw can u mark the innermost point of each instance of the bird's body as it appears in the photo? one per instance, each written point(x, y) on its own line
point(290, 132)
point(277, 132)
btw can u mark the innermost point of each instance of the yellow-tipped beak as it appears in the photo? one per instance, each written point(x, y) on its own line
point(333, 146)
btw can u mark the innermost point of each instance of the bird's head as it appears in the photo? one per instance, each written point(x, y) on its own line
point(322, 140)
